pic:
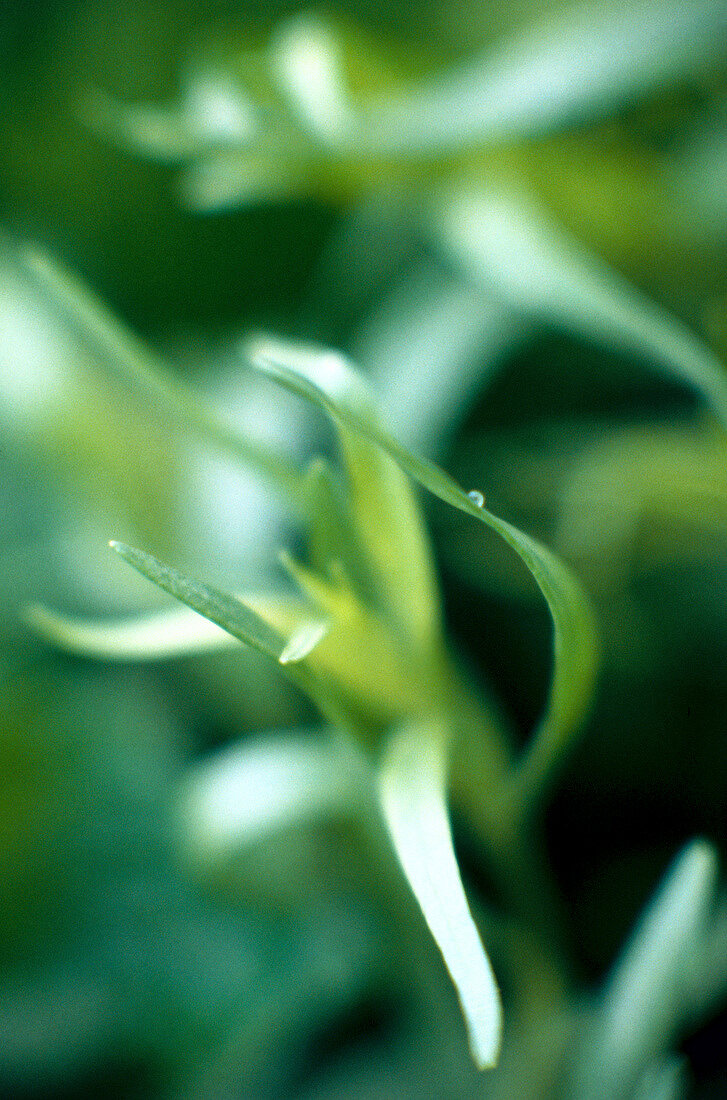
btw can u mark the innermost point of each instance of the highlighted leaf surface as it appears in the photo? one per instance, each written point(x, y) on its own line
point(575, 642)
point(510, 247)
point(412, 786)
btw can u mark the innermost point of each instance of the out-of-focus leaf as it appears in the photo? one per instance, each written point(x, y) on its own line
point(646, 998)
point(430, 347)
point(250, 790)
point(225, 609)
point(213, 113)
point(511, 248)
point(319, 379)
point(665, 1080)
point(306, 60)
point(565, 69)
point(136, 364)
point(672, 496)
point(412, 786)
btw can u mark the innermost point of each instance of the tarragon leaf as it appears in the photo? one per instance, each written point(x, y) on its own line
point(249, 791)
point(508, 246)
point(646, 998)
point(575, 635)
point(412, 785)
point(176, 631)
point(564, 69)
point(387, 519)
point(224, 609)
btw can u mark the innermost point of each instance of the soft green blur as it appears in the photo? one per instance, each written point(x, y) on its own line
point(513, 218)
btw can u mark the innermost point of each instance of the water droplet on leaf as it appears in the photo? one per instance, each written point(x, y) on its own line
point(477, 498)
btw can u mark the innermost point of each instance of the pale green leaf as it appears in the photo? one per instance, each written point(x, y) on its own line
point(173, 632)
point(646, 998)
point(223, 608)
point(575, 640)
point(249, 791)
point(431, 346)
point(567, 68)
point(508, 246)
point(170, 633)
point(412, 785)
point(387, 520)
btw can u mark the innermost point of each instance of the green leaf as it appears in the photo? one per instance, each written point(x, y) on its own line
point(646, 998)
point(412, 784)
point(567, 68)
point(246, 792)
point(387, 520)
point(506, 245)
point(318, 379)
point(224, 609)
point(118, 347)
point(173, 632)
point(431, 347)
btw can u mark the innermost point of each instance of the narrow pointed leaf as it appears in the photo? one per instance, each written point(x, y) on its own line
point(575, 636)
point(387, 519)
point(222, 608)
point(412, 786)
point(646, 998)
point(505, 244)
point(564, 69)
point(173, 632)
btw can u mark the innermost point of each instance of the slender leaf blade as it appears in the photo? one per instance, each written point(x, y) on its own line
point(222, 608)
point(248, 792)
point(505, 244)
point(412, 785)
point(561, 70)
point(646, 998)
point(119, 347)
point(171, 632)
point(575, 632)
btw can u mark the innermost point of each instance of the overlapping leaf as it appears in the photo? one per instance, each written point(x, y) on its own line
point(322, 379)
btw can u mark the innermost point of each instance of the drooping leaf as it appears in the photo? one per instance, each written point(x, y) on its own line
point(412, 786)
point(318, 379)
point(508, 246)
point(565, 69)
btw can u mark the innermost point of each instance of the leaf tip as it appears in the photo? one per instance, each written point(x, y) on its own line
point(303, 642)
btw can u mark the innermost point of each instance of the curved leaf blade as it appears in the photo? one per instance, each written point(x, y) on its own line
point(563, 69)
point(507, 245)
point(247, 792)
point(172, 632)
point(575, 632)
point(412, 785)
point(127, 354)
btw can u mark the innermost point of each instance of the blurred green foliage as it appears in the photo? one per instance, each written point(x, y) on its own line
point(513, 217)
